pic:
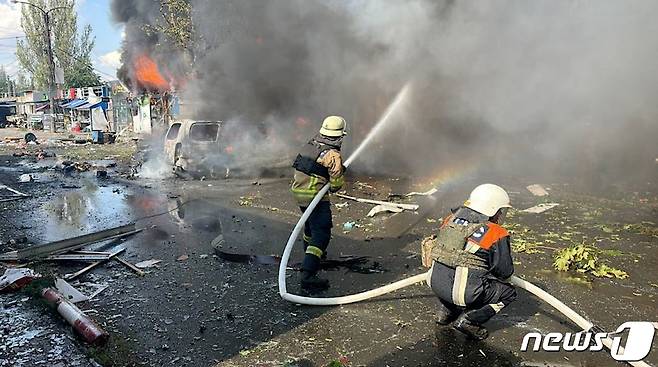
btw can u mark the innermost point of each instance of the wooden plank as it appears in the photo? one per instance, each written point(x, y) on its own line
point(132, 267)
point(70, 244)
point(91, 266)
point(78, 257)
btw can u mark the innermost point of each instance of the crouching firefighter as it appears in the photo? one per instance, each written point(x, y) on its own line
point(318, 162)
point(471, 260)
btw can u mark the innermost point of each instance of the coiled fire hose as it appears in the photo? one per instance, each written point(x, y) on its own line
point(423, 277)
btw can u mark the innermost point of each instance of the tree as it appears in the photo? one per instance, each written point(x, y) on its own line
point(71, 48)
point(5, 81)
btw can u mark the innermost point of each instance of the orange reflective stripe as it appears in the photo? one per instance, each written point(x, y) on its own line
point(494, 233)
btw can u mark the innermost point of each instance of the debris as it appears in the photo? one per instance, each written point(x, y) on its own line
point(15, 194)
point(30, 137)
point(182, 257)
point(81, 323)
point(537, 190)
point(399, 205)
point(540, 208)
point(91, 266)
point(101, 174)
point(130, 266)
point(147, 263)
point(384, 208)
point(429, 192)
point(348, 226)
point(69, 292)
point(26, 177)
point(17, 278)
point(245, 258)
point(70, 244)
point(341, 205)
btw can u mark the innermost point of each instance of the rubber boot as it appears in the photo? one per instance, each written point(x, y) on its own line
point(311, 282)
point(470, 329)
point(446, 315)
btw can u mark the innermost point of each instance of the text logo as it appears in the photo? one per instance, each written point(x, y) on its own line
point(637, 345)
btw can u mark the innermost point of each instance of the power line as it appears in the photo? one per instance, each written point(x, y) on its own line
point(84, 61)
point(12, 37)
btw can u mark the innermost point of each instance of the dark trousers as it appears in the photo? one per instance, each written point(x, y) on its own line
point(484, 296)
point(317, 233)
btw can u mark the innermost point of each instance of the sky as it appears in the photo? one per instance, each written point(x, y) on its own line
point(105, 56)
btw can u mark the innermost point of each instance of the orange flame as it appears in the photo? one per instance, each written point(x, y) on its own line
point(148, 73)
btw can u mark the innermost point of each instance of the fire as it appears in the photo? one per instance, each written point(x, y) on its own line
point(148, 74)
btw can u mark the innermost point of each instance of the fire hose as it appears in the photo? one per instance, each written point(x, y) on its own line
point(423, 277)
point(335, 301)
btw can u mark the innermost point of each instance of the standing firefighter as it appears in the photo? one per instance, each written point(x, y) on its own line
point(471, 260)
point(318, 162)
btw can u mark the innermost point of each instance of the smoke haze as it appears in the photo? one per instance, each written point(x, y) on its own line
point(539, 87)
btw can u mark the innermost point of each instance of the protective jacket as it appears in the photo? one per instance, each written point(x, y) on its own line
point(470, 250)
point(318, 162)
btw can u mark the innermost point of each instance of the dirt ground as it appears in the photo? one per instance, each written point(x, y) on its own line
point(195, 309)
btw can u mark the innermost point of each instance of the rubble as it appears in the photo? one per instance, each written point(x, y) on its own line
point(540, 208)
point(70, 244)
point(69, 292)
point(537, 190)
point(81, 323)
point(16, 278)
point(147, 263)
point(378, 202)
point(384, 208)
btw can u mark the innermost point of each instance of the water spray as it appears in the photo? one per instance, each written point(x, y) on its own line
point(423, 277)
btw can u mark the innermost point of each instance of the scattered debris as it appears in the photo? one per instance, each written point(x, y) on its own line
point(15, 194)
point(341, 205)
point(26, 177)
point(30, 138)
point(81, 323)
point(245, 258)
point(101, 174)
point(183, 257)
point(384, 208)
point(69, 292)
point(70, 244)
point(93, 265)
point(540, 208)
point(377, 202)
point(130, 266)
point(429, 192)
point(348, 226)
point(537, 190)
point(16, 278)
point(147, 263)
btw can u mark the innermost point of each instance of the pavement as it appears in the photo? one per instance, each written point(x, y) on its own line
point(195, 309)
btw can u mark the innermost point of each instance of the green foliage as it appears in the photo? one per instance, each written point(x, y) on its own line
point(70, 47)
point(584, 259)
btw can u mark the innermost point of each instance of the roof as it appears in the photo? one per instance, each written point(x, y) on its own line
point(88, 105)
point(74, 103)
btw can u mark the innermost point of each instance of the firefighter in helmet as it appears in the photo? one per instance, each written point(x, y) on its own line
point(318, 163)
point(471, 262)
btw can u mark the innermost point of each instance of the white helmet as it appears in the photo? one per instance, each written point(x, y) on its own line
point(333, 126)
point(487, 199)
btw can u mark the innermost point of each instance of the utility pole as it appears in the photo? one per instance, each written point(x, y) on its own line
point(49, 50)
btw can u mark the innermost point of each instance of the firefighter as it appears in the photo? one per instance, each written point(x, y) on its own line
point(318, 162)
point(472, 261)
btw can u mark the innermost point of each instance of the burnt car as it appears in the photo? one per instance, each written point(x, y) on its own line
point(199, 148)
point(194, 147)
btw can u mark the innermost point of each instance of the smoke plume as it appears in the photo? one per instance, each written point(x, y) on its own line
point(535, 88)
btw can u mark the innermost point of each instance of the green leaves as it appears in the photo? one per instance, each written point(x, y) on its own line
point(584, 259)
